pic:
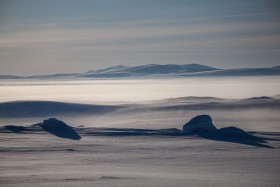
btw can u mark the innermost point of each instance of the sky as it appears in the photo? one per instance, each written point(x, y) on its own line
point(71, 36)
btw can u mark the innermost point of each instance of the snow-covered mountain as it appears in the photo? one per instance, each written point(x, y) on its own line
point(158, 70)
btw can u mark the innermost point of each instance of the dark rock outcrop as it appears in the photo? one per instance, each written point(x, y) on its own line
point(15, 129)
point(59, 128)
point(201, 123)
point(233, 131)
point(203, 127)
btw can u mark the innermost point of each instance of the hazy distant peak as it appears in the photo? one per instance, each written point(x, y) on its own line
point(161, 70)
point(198, 66)
point(259, 98)
point(109, 69)
point(147, 70)
point(10, 77)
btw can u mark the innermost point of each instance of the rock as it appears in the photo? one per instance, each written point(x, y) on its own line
point(15, 129)
point(60, 129)
point(53, 123)
point(201, 123)
point(233, 131)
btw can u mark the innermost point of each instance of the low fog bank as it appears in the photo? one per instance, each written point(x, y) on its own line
point(251, 114)
point(137, 90)
point(17, 109)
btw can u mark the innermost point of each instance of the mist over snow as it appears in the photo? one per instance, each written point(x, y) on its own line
point(143, 93)
point(135, 90)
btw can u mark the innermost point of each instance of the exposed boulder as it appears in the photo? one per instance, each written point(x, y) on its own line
point(59, 128)
point(201, 123)
point(15, 129)
point(233, 131)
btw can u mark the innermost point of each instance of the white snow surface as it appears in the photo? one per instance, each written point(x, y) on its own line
point(40, 159)
point(130, 147)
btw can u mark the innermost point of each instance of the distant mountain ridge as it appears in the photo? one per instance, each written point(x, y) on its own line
point(147, 70)
point(157, 70)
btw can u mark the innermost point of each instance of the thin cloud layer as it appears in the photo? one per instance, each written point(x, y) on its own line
point(247, 35)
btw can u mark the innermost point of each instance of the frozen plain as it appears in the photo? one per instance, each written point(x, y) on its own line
point(105, 156)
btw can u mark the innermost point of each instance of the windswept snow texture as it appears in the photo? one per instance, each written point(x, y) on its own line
point(200, 126)
point(141, 144)
point(47, 108)
point(18, 109)
point(250, 114)
point(102, 159)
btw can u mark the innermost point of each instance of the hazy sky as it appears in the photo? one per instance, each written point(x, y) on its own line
point(62, 36)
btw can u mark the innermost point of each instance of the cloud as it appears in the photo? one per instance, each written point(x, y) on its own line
point(118, 35)
point(221, 35)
